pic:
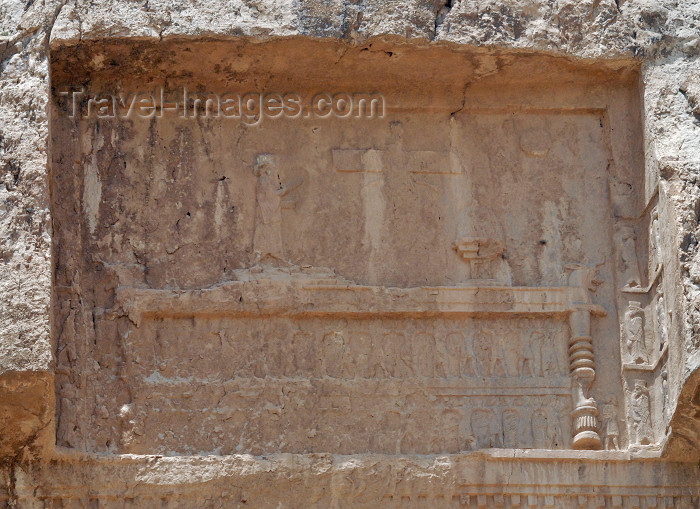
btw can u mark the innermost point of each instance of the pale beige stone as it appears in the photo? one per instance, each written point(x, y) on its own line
point(439, 307)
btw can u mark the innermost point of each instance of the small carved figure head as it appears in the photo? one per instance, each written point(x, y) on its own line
point(640, 387)
point(263, 163)
point(634, 308)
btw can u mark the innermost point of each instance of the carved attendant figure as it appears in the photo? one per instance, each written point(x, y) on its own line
point(497, 353)
point(300, 361)
point(527, 364)
point(610, 427)
point(632, 333)
point(483, 424)
point(424, 354)
point(544, 435)
point(549, 354)
point(628, 255)
point(397, 353)
point(641, 414)
point(511, 425)
point(467, 365)
point(334, 355)
point(451, 422)
point(269, 192)
point(482, 352)
point(654, 241)
point(449, 353)
point(660, 311)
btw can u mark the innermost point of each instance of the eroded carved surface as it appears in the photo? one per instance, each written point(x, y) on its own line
point(354, 284)
point(661, 34)
point(385, 385)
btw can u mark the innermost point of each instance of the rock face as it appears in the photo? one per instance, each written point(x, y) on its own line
point(332, 254)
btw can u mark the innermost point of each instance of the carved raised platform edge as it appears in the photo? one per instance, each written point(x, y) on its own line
point(308, 298)
point(628, 366)
point(652, 283)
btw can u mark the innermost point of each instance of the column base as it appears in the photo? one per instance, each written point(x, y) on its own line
point(586, 440)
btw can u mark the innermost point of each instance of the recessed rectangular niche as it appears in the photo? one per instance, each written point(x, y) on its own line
point(434, 272)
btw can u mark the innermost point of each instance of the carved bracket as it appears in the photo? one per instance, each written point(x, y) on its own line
point(481, 254)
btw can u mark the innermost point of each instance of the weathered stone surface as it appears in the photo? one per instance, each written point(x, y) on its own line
point(475, 480)
point(590, 28)
point(26, 415)
point(25, 229)
point(24, 215)
point(288, 257)
point(176, 266)
point(673, 151)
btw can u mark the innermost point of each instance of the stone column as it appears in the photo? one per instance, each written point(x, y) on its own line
point(582, 369)
point(581, 358)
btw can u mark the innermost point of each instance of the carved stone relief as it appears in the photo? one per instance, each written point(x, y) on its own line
point(628, 261)
point(654, 242)
point(661, 319)
point(610, 426)
point(644, 325)
point(386, 290)
point(582, 361)
point(641, 422)
point(271, 197)
point(633, 335)
point(486, 259)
